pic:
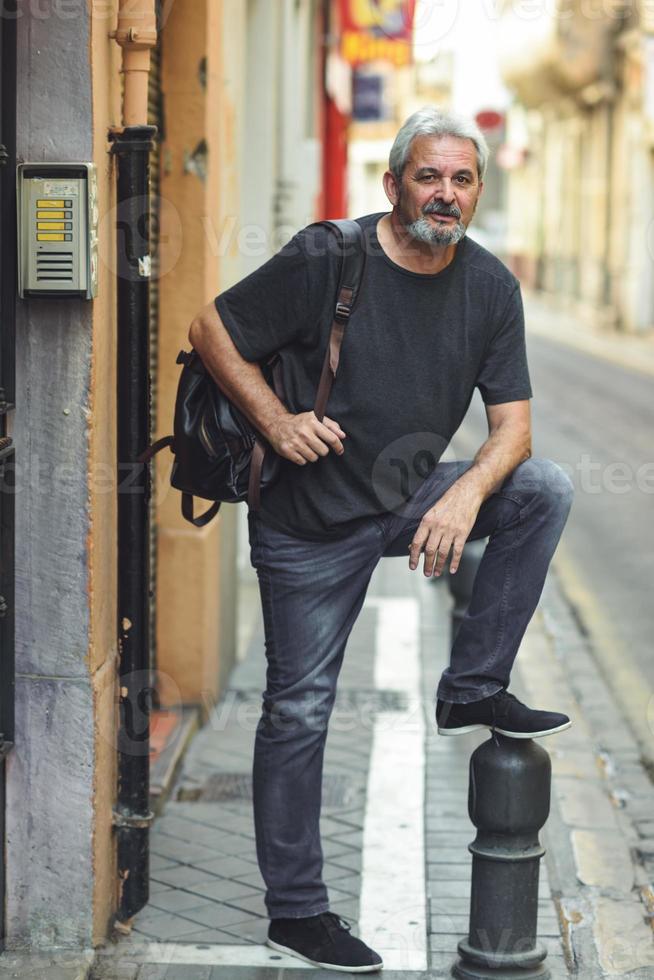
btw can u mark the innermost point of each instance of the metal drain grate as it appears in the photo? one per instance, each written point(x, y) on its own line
point(225, 787)
point(371, 699)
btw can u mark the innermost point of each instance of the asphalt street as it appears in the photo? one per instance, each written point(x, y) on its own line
point(595, 418)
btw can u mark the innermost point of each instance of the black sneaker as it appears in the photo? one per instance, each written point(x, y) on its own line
point(323, 940)
point(501, 712)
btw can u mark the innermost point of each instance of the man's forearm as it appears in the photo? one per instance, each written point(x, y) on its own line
point(495, 459)
point(242, 381)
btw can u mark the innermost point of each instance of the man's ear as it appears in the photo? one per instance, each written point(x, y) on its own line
point(391, 188)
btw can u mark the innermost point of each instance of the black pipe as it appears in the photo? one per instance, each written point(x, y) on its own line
point(132, 816)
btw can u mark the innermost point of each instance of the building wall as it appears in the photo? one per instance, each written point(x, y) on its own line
point(581, 202)
point(241, 145)
point(105, 57)
point(239, 82)
point(64, 645)
point(193, 597)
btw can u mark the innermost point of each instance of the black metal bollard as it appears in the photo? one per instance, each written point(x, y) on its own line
point(461, 583)
point(508, 802)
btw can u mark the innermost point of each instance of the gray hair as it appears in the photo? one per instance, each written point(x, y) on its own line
point(432, 121)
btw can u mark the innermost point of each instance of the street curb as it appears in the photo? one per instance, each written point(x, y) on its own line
point(55, 964)
point(601, 800)
point(166, 767)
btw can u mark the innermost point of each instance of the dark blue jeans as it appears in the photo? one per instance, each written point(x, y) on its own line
point(311, 595)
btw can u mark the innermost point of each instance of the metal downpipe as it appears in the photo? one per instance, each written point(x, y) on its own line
point(132, 816)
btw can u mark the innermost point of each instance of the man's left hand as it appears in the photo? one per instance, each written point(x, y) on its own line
point(445, 526)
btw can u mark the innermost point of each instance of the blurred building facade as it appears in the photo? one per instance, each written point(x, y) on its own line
point(579, 153)
point(241, 160)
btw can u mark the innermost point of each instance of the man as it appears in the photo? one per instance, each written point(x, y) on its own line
point(437, 316)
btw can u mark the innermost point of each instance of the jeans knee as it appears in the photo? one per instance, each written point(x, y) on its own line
point(285, 719)
point(553, 484)
point(546, 480)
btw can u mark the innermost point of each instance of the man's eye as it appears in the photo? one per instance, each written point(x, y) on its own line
point(463, 180)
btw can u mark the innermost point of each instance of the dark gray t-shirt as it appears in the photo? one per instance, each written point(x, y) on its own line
point(414, 350)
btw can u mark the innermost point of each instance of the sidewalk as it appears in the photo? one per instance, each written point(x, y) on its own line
point(395, 826)
point(545, 317)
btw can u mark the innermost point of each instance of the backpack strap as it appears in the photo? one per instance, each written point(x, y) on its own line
point(353, 259)
point(352, 248)
point(155, 448)
point(187, 511)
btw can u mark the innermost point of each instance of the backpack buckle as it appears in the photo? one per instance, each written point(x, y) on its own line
point(342, 313)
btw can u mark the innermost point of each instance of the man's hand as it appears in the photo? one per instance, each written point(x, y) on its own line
point(445, 526)
point(302, 438)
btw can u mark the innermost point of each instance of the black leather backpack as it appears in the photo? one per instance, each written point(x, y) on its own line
point(219, 455)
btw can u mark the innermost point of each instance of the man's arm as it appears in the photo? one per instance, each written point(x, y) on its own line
point(448, 523)
point(508, 445)
point(300, 438)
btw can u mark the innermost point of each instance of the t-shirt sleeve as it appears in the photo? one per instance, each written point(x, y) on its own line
point(269, 308)
point(504, 374)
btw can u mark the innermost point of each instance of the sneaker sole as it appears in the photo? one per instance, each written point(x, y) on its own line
point(466, 729)
point(326, 966)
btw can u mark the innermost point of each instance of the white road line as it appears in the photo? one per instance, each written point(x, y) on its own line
point(393, 898)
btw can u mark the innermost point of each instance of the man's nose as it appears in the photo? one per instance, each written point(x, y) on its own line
point(444, 190)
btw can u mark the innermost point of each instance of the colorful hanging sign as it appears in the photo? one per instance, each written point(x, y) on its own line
point(377, 30)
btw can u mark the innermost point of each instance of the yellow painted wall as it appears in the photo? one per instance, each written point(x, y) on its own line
point(194, 600)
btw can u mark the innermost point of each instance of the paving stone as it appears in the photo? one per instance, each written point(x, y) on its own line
point(251, 931)
point(585, 804)
point(333, 848)
point(252, 903)
point(449, 889)
point(332, 872)
point(186, 852)
point(229, 867)
point(158, 863)
point(254, 879)
point(216, 916)
point(174, 971)
point(157, 887)
point(183, 876)
point(107, 968)
point(168, 927)
point(175, 901)
point(222, 890)
point(449, 924)
point(349, 862)
point(237, 845)
point(602, 858)
point(623, 937)
point(449, 872)
point(219, 937)
point(353, 837)
point(349, 884)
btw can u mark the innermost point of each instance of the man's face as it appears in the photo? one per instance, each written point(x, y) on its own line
point(439, 190)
